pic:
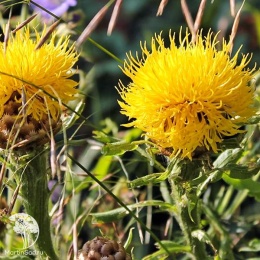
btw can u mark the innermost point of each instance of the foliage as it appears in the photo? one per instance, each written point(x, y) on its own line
point(111, 181)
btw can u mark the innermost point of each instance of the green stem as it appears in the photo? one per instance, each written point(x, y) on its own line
point(32, 175)
point(186, 202)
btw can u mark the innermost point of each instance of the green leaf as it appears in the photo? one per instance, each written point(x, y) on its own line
point(213, 177)
point(172, 247)
point(102, 166)
point(203, 236)
point(132, 134)
point(232, 142)
point(255, 119)
point(150, 178)
point(228, 156)
point(70, 120)
point(119, 213)
point(129, 238)
point(244, 184)
point(237, 171)
point(103, 137)
point(101, 171)
point(192, 201)
point(253, 246)
point(118, 148)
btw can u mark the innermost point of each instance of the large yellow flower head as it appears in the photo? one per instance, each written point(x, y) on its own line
point(34, 82)
point(187, 96)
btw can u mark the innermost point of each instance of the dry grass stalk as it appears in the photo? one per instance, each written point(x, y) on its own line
point(92, 25)
point(161, 7)
point(13, 200)
point(114, 16)
point(189, 20)
point(6, 38)
point(199, 15)
point(235, 26)
point(46, 36)
point(2, 173)
point(24, 23)
point(7, 32)
point(232, 8)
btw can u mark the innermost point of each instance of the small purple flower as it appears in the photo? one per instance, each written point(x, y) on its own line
point(57, 7)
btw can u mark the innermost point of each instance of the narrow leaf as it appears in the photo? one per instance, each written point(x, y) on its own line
point(241, 172)
point(228, 156)
point(129, 238)
point(244, 184)
point(253, 246)
point(173, 248)
point(119, 213)
point(150, 178)
point(118, 148)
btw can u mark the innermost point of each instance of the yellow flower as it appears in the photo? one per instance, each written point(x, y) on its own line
point(33, 84)
point(187, 96)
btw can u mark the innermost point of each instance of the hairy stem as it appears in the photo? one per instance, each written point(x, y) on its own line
point(32, 176)
point(187, 210)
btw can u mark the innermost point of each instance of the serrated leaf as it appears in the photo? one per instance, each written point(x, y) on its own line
point(118, 148)
point(119, 213)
